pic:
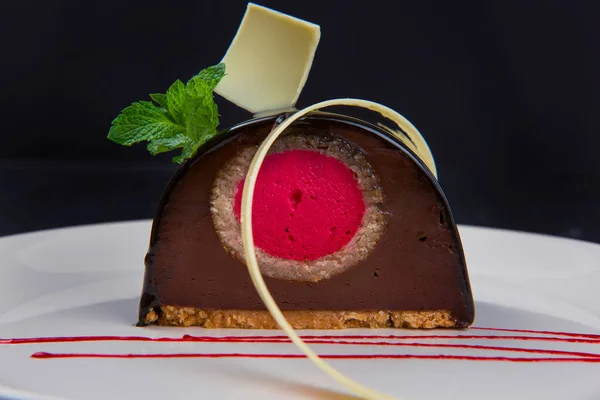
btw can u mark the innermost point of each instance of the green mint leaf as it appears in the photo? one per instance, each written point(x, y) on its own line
point(185, 118)
point(200, 111)
point(187, 152)
point(175, 100)
point(211, 75)
point(163, 145)
point(160, 99)
point(142, 121)
point(197, 88)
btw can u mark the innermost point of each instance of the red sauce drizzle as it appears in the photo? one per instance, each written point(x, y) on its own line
point(350, 340)
point(43, 355)
point(584, 335)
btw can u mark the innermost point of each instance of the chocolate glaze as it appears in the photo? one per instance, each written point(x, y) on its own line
point(418, 264)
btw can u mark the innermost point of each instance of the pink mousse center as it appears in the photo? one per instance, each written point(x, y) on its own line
point(306, 205)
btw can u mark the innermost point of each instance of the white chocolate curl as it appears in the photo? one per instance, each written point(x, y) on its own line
point(416, 143)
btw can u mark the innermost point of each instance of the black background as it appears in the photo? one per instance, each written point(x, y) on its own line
point(506, 93)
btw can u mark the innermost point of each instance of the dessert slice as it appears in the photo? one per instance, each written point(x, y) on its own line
point(352, 230)
point(350, 225)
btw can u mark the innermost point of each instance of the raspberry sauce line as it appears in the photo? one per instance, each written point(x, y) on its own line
point(44, 355)
point(562, 353)
point(282, 339)
point(582, 335)
point(569, 337)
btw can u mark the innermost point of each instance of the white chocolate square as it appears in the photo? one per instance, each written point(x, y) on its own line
point(268, 61)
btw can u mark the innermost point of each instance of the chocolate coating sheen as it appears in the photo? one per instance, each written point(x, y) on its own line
point(417, 265)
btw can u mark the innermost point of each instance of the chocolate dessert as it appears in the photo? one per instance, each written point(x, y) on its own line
point(341, 221)
point(351, 227)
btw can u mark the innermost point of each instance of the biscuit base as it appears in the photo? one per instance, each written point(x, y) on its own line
point(250, 319)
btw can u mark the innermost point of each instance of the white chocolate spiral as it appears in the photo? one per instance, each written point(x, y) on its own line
point(415, 142)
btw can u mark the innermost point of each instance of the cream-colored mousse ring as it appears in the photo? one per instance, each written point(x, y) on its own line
point(360, 246)
point(419, 147)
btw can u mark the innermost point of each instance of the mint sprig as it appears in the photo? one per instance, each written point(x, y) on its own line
point(183, 118)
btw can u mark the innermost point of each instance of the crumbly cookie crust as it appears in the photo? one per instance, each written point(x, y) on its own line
point(250, 319)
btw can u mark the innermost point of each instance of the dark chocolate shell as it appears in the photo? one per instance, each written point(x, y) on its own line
point(413, 275)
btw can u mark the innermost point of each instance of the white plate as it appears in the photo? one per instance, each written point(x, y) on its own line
point(87, 281)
